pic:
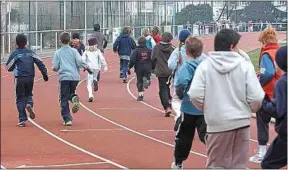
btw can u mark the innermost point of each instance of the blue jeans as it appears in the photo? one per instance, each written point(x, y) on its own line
point(124, 67)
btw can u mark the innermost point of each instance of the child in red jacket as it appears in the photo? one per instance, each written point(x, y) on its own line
point(156, 34)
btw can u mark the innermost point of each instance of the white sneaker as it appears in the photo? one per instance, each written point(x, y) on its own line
point(68, 123)
point(256, 158)
point(174, 166)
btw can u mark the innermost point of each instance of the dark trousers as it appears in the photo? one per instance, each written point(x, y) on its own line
point(185, 135)
point(140, 75)
point(24, 95)
point(263, 120)
point(276, 155)
point(67, 92)
point(124, 68)
point(164, 92)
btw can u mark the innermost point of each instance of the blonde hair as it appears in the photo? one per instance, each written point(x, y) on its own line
point(146, 32)
point(91, 48)
point(269, 35)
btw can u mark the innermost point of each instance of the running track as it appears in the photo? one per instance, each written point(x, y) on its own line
point(115, 131)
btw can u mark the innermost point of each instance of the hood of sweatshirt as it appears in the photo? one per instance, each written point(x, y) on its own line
point(224, 61)
point(166, 47)
point(124, 35)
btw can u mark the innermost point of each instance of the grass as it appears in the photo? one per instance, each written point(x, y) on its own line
point(254, 56)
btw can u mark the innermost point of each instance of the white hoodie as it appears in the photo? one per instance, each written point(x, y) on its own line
point(225, 86)
point(94, 59)
point(152, 40)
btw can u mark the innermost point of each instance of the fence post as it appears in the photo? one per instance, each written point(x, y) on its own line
point(41, 43)
point(56, 40)
point(3, 45)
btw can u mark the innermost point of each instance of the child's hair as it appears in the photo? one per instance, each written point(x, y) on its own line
point(146, 32)
point(225, 38)
point(65, 38)
point(268, 36)
point(21, 40)
point(141, 40)
point(96, 27)
point(155, 30)
point(167, 37)
point(194, 47)
point(126, 30)
point(76, 36)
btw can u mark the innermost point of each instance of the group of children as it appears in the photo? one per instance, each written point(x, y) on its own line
point(213, 94)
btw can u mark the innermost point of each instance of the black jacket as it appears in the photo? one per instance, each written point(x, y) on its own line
point(80, 48)
point(141, 59)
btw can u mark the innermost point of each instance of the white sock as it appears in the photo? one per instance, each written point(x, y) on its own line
point(141, 93)
point(262, 150)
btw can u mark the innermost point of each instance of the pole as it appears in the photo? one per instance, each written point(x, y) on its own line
point(29, 9)
point(36, 23)
point(119, 8)
point(64, 6)
point(145, 14)
point(85, 20)
point(166, 13)
point(9, 27)
point(103, 16)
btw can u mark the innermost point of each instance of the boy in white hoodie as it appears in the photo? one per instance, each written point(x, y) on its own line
point(150, 43)
point(226, 88)
point(94, 58)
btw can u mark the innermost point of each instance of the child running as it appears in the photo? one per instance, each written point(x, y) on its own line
point(21, 62)
point(67, 61)
point(124, 45)
point(226, 88)
point(77, 44)
point(95, 60)
point(160, 55)
point(141, 61)
point(192, 118)
point(276, 155)
point(156, 34)
point(150, 43)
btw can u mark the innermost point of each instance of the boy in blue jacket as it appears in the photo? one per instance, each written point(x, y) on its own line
point(67, 61)
point(21, 62)
point(276, 155)
point(124, 45)
point(192, 118)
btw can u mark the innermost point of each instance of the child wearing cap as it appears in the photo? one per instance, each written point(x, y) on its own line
point(141, 61)
point(67, 61)
point(276, 155)
point(160, 55)
point(94, 58)
point(21, 62)
point(77, 44)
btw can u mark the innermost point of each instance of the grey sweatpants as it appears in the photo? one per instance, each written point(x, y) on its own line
point(228, 150)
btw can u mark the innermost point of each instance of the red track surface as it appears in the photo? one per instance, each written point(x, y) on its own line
point(130, 133)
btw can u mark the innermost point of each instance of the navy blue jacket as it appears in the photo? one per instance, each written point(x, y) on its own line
point(277, 107)
point(124, 44)
point(21, 62)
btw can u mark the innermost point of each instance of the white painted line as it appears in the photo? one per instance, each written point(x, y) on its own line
point(3, 167)
point(84, 130)
point(61, 165)
point(152, 130)
point(119, 108)
point(76, 147)
point(131, 130)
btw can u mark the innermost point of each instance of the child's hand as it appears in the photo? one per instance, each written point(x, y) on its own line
point(88, 69)
point(45, 77)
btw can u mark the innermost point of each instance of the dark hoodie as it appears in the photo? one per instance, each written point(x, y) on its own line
point(160, 55)
point(124, 45)
point(141, 59)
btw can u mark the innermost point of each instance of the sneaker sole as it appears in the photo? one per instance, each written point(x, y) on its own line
point(75, 104)
point(168, 114)
point(31, 112)
point(65, 124)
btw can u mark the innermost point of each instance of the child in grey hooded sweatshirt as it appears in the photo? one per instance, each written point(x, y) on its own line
point(231, 90)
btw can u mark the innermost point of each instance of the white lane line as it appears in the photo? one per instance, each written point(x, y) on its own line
point(155, 130)
point(72, 145)
point(132, 95)
point(61, 165)
point(131, 130)
point(84, 130)
point(119, 108)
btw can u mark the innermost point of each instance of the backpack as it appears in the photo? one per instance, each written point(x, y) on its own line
point(149, 44)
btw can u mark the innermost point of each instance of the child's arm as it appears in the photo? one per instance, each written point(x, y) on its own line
point(41, 66)
point(182, 79)
point(254, 92)
point(133, 43)
point(10, 65)
point(133, 59)
point(267, 70)
point(103, 61)
point(153, 58)
point(105, 42)
point(197, 89)
point(55, 62)
point(116, 44)
point(79, 62)
point(173, 59)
